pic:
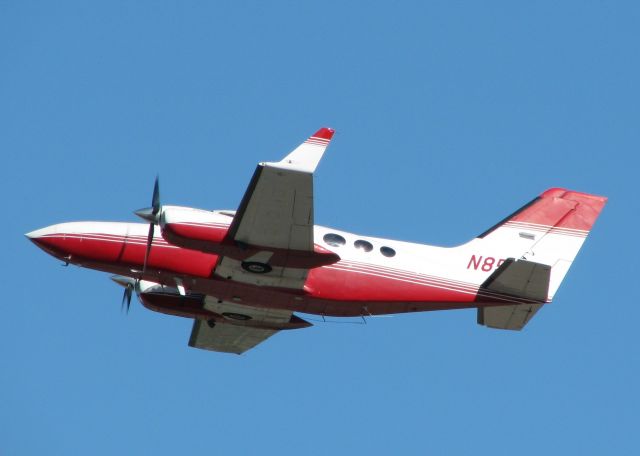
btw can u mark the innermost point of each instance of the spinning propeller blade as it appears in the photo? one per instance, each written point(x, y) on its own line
point(126, 297)
point(146, 253)
point(155, 199)
point(152, 215)
point(130, 284)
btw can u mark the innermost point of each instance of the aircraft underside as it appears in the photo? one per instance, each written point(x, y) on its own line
point(241, 275)
point(194, 270)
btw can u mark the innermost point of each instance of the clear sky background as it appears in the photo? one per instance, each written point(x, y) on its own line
point(449, 115)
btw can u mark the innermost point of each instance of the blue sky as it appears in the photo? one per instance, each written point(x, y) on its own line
point(449, 115)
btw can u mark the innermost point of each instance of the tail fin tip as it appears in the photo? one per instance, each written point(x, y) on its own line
point(556, 208)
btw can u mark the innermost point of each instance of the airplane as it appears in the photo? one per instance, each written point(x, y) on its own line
point(243, 275)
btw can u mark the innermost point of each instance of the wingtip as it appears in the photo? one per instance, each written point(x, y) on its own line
point(324, 133)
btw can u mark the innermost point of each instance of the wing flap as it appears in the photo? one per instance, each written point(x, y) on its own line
point(278, 201)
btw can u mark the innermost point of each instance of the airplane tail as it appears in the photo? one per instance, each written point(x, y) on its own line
point(550, 230)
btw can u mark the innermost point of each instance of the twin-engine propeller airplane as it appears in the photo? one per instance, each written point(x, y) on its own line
point(242, 274)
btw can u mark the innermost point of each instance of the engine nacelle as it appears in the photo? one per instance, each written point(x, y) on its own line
point(196, 229)
point(163, 300)
point(207, 231)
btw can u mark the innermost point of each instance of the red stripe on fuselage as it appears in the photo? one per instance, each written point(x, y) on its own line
point(342, 289)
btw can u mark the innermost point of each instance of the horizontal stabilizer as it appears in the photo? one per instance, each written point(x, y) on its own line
point(507, 317)
point(520, 279)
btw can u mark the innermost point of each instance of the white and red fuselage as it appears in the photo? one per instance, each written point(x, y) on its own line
point(370, 276)
point(242, 274)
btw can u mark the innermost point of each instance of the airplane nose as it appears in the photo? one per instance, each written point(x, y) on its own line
point(45, 238)
point(90, 241)
point(42, 232)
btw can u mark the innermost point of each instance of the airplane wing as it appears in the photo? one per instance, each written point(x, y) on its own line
point(242, 328)
point(277, 208)
point(275, 219)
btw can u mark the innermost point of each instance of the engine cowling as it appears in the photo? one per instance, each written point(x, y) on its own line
point(196, 229)
point(207, 231)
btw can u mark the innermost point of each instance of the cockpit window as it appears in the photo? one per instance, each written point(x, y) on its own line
point(334, 240)
point(363, 245)
point(387, 251)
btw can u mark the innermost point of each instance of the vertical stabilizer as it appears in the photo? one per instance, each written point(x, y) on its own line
point(549, 230)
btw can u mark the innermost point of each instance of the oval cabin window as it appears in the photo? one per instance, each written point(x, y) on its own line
point(334, 240)
point(363, 245)
point(387, 251)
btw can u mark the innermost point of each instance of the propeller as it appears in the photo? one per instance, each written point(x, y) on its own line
point(130, 285)
point(126, 297)
point(152, 215)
